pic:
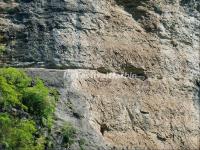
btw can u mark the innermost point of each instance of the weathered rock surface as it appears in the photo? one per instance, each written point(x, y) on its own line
point(113, 111)
point(156, 40)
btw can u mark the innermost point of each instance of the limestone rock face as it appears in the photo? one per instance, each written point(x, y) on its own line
point(115, 112)
point(95, 41)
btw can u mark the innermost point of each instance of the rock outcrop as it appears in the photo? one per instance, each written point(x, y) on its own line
point(130, 78)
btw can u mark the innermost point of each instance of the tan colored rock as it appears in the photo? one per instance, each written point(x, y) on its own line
point(129, 112)
point(157, 41)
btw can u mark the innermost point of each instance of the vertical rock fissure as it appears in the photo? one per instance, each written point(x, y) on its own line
point(78, 26)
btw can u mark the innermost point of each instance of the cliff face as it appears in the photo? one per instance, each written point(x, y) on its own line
point(157, 41)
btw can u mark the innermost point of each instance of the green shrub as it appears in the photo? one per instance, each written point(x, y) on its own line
point(16, 133)
point(9, 96)
point(39, 102)
point(82, 143)
point(12, 83)
point(20, 95)
point(15, 77)
point(68, 133)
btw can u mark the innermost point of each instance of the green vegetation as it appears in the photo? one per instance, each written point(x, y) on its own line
point(26, 114)
point(82, 143)
point(68, 135)
point(18, 133)
point(26, 109)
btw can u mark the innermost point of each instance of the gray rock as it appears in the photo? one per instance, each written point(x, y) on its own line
point(116, 111)
point(157, 40)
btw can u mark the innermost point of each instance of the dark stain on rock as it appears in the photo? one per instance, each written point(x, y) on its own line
point(103, 70)
point(131, 70)
point(103, 128)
